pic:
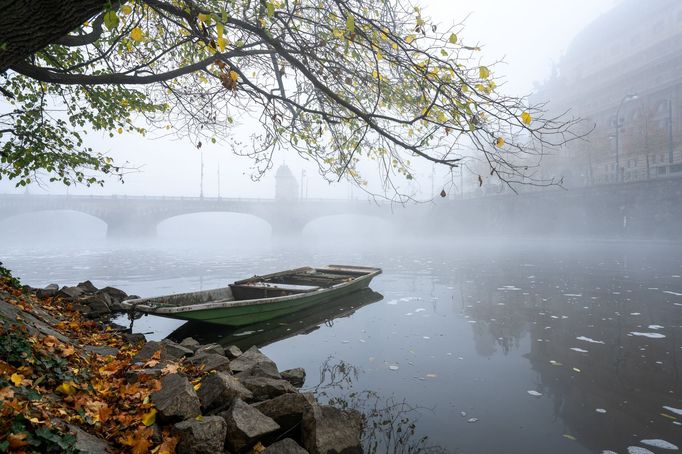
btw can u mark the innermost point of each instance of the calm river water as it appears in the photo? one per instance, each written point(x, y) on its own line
point(483, 346)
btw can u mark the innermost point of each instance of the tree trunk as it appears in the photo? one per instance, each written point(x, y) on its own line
point(27, 26)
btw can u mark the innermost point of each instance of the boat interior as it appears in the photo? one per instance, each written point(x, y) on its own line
point(292, 282)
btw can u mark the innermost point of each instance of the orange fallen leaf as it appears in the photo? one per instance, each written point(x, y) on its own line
point(17, 441)
point(6, 393)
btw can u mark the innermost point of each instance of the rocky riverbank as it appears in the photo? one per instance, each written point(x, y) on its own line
point(71, 382)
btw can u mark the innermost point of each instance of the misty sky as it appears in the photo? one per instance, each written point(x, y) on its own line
point(529, 35)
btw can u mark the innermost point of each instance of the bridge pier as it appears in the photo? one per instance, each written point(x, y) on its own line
point(130, 228)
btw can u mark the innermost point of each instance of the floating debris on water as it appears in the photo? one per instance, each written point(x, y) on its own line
point(393, 367)
point(244, 333)
point(649, 335)
point(579, 350)
point(463, 413)
point(655, 327)
point(587, 339)
point(635, 313)
point(534, 393)
point(600, 410)
point(570, 437)
point(555, 363)
point(662, 444)
point(638, 450)
point(421, 309)
point(470, 420)
point(672, 293)
point(677, 411)
point(574, 295)
point(431, 376)
point(577, 370)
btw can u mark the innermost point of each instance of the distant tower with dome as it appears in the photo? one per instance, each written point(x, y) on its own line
point(286, 186)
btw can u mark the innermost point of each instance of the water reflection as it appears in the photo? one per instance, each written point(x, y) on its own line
point(605, 347)
point(265, 333)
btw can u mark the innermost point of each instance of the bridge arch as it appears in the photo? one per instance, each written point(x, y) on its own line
point(53, 223)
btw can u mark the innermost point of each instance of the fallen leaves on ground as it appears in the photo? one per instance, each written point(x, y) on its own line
point(46, 383)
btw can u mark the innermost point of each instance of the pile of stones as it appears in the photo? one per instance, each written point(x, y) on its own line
point(243, 401)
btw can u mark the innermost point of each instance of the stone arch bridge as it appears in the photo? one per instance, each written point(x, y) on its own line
point(139, 216)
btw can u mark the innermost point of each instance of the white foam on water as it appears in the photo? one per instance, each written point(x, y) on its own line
point(470, 420)
point(677, 411)
point(393, 367)
point(655, 327)
point(600, 410)
point(649, 335)
point(609, 452)
point(638, 450)
point(662, 444)
point(672, 293)
point(534, 393)
point(244, 333)
point(579, 350)
point(421, 309)
point(635, 313)
point(575, 295)
point(587, 339)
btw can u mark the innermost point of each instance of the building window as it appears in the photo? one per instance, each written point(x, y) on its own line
point(677, 168)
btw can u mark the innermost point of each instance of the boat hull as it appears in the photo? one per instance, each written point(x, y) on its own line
point(247, 315)
point(261, 298)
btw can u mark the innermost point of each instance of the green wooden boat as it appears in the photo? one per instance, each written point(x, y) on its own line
point(259, 298)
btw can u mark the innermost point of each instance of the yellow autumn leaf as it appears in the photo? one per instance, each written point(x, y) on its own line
point(136, 34)
point(258, 448)
point(409, 38)
point(220, 29)
point(350, 23)
point(205, 18)
point(66, 388)
point(499, 143)
point(526, 118)
point(149, 418)
point(234, 76)
point(484, 72)
point(120, 130)
point(126, 9)
point(453, 39)
point(17, 379)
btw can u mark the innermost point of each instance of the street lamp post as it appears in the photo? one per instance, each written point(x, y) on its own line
point(626, 98)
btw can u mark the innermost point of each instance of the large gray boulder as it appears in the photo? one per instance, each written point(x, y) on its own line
point(286, 410)
point(246, 425)
point(205, 435)
point(190, 343)
point(294, 376)
point(87, 287)
point(211, 348)
point(286, 446)
point(176, 400)
point(71, 292)
point(264, 388)
point(50, 290)
point(87, 443)
point(219, 389)
point(249, 359)
point(262, 369)
point(328, 430)
point(115, 294)
point(211, 361)
point(175, 351)
point(169, 351)
point(96, 304)
point(232, 352)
